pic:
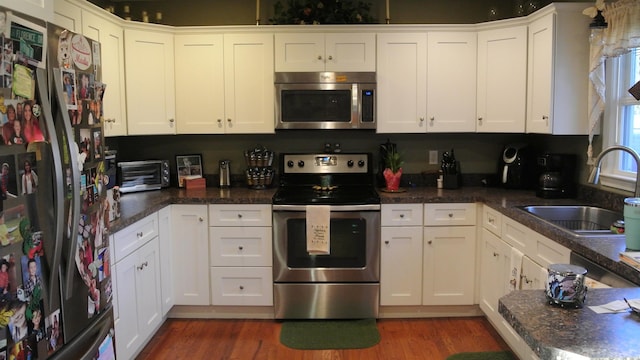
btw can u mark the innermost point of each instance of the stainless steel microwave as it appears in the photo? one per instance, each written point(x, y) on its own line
point(143, 175)
point(325, 100)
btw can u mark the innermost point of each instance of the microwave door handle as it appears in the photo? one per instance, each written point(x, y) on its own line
point(58, 190)
point(74, 211)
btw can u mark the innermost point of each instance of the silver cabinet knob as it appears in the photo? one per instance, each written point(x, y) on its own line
point(386, 242)
point(330, 57)
point(319, 57)
point(172, 120)
point(240, 247)
point(480, 119)
point(241, 287)
point(200, 219)
point(401, 216)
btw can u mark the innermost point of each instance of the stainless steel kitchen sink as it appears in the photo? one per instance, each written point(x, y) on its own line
point(580, 220)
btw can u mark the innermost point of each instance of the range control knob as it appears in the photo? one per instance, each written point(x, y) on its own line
point(300, 163)
point(290, 163)
point(361, 163)
point(350, 163)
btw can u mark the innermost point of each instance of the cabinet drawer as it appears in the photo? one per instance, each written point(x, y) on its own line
point(401, 215)
point(240, 215)
point(492, 220)
point(450, 214)
point(242, 286)
point(133, 236)
point(240, 246)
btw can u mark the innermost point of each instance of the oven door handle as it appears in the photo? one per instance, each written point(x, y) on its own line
point(364, 207)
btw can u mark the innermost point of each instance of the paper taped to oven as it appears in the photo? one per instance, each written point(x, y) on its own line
point(318, 229)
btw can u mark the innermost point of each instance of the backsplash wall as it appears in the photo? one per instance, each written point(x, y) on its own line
point(477, 153)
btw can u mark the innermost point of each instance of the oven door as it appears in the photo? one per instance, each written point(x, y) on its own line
point(354, 254)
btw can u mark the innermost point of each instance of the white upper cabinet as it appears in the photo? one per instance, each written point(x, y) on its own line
point(150, 81)
point(451, 79)
point(325, 52)
point(248, 82)
point(67, 15)
point(402, 82)
point(502, 80)
point(558, 71)
point(111, 37)
point(199, 65)
point(41, 9)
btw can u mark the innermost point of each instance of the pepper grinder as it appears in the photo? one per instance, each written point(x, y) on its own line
point(225, 173)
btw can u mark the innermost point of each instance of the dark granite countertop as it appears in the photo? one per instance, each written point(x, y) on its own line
point(603, 251)
point(558, 333)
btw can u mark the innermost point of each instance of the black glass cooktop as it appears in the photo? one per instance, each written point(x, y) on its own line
point(340, 195)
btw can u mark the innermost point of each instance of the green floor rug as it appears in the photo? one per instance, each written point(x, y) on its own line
point(491, 355)
point(329, 334)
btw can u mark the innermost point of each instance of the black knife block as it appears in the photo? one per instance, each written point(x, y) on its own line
point(451, 181)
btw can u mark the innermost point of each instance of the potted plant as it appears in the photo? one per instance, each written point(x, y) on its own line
point(393, 166)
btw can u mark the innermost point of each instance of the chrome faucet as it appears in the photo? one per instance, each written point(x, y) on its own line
point(595, 173)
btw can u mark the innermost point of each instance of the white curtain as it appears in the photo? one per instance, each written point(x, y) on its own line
point(621, 34)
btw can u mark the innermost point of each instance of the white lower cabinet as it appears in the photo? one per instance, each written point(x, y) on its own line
point(166, 270)
point(137, 289)
point(241, 255)
point(449, 265)
point(401, 266)
point(190, 254)
point(427, 254)
point(502, 247)
point(449, 254)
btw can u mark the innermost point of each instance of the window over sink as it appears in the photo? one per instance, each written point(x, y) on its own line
point(621, 120)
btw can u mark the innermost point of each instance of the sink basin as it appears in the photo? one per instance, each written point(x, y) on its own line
point(580, 220)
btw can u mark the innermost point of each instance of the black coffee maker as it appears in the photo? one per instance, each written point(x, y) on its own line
point(515, 167)
point(557, 176)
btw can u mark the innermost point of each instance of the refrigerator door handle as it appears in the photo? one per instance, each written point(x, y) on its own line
point(75, 180)
point(41, 78)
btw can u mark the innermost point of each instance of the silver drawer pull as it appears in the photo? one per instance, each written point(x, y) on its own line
point(239, 216)
point(241, 287)
point(140, 234)
point(450, 215)
point(495, 254)
point(240, 247)
point(386, 242)
point(200, 219)
point(401, 216)
point(143, 265)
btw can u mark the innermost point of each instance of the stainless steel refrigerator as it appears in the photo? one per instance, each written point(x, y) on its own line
point(55, 283)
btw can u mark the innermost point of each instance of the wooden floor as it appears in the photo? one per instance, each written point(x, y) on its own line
point(425, 339)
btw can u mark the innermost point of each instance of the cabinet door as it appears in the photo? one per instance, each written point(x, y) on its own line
point(248, 76)
point(150, 82)
point(127, 328)
point(350, 52)
point(402, 83)
point(401, 266)
point(190, 249)
point(451, 87)
point(41, 9)
point(148, 288)
point(299, 52)
point(199, 84)
point(166, 261)
point(111, 38)
point(533, 275)
point(539, 106)
point(449, 265)
point(67, 15)
point(502, 80)
point(495, 259)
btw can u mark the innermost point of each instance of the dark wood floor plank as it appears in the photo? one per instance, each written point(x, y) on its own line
point(401, 339)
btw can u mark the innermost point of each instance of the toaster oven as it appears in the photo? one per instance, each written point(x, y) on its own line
point(143, 175)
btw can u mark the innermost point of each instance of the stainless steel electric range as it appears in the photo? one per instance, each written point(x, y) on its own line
point(344, 282)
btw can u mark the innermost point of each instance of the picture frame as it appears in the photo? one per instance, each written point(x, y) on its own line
point(188, 167)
